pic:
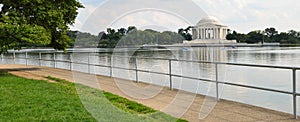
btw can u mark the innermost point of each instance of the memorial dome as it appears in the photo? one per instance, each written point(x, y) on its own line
point(209, 20)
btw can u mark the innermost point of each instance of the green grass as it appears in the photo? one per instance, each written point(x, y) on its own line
point(128, 106)
point(36, 100)
point(120, 102)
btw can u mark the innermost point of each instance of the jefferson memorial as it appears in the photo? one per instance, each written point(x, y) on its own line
point(209, 31)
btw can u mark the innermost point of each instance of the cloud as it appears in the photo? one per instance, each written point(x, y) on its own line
point(89, 7)
point(155, 12)
point(155, 19)
point(240, 15)
point(247, 15)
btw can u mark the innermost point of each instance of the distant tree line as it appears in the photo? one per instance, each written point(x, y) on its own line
point(131, 36)
point(125, 37)
point(269, 35)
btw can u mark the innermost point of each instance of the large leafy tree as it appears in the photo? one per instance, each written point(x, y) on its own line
point(36, 22)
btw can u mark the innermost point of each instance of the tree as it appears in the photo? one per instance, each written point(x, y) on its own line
point(122, 31)
point(288, 38)
point(165, 37)
point(36, 22)
point(131, 28)
point(232, 36)
point(271, 34)
point(240, 38)
point(254, 37)
point(84, 39)
point(268, 35)
point(293, 33)
point(185, 33)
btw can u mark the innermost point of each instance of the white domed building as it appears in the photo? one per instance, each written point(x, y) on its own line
point(209, 30)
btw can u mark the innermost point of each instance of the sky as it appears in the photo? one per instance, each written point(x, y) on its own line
point(240, 15)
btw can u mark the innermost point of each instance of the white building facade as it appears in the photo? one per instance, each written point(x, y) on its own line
point(209, 31)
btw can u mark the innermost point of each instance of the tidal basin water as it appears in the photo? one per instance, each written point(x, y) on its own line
point(280, 79)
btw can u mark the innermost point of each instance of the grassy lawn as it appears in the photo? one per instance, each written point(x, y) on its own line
point(35, 100)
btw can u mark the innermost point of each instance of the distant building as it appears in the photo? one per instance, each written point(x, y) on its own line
point(209, 31)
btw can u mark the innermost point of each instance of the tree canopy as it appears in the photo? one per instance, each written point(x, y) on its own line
point(134, 37)
point(185, 33)
point(267, 35)
point(124, 37)
point(36, 22)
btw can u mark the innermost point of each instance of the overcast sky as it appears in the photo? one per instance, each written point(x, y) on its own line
point(240, 15)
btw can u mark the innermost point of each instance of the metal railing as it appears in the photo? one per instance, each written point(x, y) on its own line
point(171, 75)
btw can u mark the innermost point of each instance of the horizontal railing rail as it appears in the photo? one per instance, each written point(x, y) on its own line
point(170, 74)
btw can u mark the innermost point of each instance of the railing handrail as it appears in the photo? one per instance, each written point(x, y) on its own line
point(193, 61)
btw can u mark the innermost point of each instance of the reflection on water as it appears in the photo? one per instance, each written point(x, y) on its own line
point(262, 77)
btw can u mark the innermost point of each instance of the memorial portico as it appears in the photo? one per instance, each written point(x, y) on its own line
point(209, 30)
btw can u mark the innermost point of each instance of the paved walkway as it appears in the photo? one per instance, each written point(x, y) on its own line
point(177, 103)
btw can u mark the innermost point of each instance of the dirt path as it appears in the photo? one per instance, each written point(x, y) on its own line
point(177, 103)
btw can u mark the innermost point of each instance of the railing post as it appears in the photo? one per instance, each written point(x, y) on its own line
point(136, 70)
point(2, 58)
point(89, 70)
point(71, 62)
point(111, 67)
point(54, 59)
point(294, 94)
point(40, 59)
point(14, 57)
point(217, 82)
point(170, 74)
point(26, 58)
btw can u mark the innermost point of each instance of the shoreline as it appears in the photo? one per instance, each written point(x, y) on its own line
point(174, 45)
